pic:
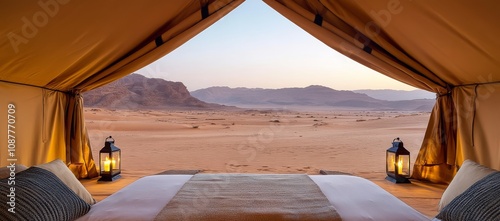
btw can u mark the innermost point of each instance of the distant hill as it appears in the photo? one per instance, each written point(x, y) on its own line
point(138, 92)
point(397, 95)
point(312, 96)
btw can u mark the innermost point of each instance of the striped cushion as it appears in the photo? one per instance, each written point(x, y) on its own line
point(480, 202)
point(40, 195)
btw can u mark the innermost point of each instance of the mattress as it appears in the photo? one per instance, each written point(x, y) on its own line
point(354, 198)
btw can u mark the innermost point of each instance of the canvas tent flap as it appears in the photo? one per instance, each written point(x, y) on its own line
point(478, 121)
point(436, 159)
point(55, 49)
point(38, 124)
point(432, 45)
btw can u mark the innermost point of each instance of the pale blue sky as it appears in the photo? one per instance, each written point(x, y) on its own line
point(256, 47)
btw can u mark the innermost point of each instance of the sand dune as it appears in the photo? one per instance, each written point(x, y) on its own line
point(256, 141)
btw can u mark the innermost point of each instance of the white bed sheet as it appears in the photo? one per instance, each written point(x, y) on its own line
point(354, 198)
point(141, 200)
point(359, 199)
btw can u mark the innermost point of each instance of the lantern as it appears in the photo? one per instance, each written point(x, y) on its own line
point(398, 163)
point(109, 161)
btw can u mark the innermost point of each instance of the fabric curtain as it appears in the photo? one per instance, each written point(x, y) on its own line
point(466, 129)
point(78, 151)
point(436, 160)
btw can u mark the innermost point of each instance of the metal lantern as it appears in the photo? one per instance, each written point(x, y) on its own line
point(398, 163)
point(109, 161)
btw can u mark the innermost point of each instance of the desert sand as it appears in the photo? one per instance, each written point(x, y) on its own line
point(261, 141)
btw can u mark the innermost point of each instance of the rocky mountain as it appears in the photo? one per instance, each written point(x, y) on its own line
point(138, 92)
point(397, 95)
point(312, 96)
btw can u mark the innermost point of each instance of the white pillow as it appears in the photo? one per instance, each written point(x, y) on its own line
point(5, 171)
point(60, 169)
point(469, 173)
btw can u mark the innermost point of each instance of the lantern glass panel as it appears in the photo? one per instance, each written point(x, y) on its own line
point(391, 162)
point(115, 162)
point(404, 165)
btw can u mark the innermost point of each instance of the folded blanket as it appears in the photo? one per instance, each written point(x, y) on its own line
point(249, 197)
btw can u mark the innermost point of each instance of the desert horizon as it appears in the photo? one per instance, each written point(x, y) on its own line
point(259, 141)
point(135, 92)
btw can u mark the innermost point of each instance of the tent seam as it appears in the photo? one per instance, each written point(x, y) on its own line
point(30, 85)
point(477, 84)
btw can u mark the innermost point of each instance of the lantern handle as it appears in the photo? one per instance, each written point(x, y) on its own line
point(397, 138)
point(109, 138)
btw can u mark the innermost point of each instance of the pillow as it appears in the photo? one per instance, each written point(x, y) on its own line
point(39, 195)
point(5, 171)
point(67, 177)
point(480, 202)
point(468, 174)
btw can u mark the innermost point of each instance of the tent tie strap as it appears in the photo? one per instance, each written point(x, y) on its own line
point(438, 95)
point(474, 114)
point(204, 11)
point(159, 41)
point(318, 19)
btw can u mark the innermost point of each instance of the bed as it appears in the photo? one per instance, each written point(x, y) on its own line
point(51, 192)
point(354, 198)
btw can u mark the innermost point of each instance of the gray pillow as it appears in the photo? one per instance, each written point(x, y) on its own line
point(480, 202)
point(39, 195)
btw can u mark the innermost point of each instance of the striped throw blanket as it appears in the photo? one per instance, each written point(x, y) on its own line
point(249, 197)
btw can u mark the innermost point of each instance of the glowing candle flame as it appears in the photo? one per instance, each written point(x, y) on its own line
point(107, 165)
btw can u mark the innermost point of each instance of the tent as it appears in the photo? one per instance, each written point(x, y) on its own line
point(53, 50)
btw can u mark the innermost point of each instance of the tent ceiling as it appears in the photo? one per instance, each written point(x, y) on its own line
point(54, 45)
point(451, 43)
point(456, 40)
point(58, 44)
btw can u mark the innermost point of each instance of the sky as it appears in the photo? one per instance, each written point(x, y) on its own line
point(256, 47)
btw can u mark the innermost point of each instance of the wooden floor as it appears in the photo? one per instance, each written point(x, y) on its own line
point(422, 196)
